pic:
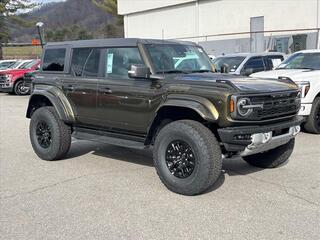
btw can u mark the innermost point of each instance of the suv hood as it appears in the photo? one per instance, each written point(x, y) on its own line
point(242, 84)
point(293, 74)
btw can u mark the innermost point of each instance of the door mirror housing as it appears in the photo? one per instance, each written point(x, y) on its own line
point(224, 68)
point(139, 71)
point(248, 71)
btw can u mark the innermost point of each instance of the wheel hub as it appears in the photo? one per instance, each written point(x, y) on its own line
point(180, 159)
point(44, 135)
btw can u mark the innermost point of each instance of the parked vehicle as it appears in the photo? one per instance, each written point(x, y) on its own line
point(19, 64)
point(28, 79)
point(11, 80)
point(304, 68)
point(4, 64)
point(247, 63)
point(128, 92)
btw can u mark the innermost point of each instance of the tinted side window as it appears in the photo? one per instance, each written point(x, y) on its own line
point(54, 60)
point(91, 68)
point(79, 58)
point(256, 63)
point(119, 60)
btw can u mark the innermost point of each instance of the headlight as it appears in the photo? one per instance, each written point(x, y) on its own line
point(304, 88)
point(243, 107)
point(8, 77)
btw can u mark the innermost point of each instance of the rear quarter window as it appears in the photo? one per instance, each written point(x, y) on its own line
point(54, 60)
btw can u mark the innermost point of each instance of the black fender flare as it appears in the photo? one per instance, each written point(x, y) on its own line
point(201, 105)
point(56, 97)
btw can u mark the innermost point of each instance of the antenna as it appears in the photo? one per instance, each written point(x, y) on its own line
point(162, 60)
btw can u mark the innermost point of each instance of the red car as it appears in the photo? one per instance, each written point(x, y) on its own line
point(11, 81)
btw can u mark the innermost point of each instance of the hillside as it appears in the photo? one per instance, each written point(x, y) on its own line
point(73, 19)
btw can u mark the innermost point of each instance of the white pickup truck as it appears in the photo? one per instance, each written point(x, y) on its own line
point(304, 69)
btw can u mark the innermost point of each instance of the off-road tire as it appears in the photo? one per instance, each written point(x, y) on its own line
point(272, 158)
point(207, 153)
point(60, 134)
point(17, 88)
point(313, 121)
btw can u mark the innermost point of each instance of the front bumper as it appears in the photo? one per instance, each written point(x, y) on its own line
point(253, 139)
point(6, 87)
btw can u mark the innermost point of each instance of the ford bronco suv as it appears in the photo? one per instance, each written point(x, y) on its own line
point(140, 93)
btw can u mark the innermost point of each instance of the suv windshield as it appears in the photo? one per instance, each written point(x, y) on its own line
point(15, 65)
point(232, 63)
point(28, 65)
point(302, 61)
point(177, 58)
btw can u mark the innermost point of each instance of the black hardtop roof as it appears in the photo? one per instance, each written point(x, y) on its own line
point(114, 42)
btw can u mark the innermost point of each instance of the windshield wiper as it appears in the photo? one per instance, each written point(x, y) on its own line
point(307, 68)
point(172, 71)
point(202, 71)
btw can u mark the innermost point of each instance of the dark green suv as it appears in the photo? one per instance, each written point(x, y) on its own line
point(141, 93)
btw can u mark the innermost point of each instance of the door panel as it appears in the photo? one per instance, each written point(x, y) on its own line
point(128, 104)
point(82, 94)
point(81, 86)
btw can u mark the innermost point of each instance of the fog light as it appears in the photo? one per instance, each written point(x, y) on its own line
point(242, 137)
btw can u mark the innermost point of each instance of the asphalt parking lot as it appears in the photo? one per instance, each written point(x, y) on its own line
point(106, 192)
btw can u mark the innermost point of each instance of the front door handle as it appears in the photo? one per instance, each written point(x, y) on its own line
point(69, 88)
point(107, 91)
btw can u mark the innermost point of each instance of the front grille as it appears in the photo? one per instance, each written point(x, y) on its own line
point(2, 79)
point(276, 105)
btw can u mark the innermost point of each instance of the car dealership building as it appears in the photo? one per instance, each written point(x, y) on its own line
point(226, 26)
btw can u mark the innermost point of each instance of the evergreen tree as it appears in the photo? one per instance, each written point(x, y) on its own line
point(8, 10)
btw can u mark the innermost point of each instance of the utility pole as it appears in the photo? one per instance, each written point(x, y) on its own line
point(39, 26)
point(318, 30)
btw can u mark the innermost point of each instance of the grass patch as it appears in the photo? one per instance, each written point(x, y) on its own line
point(25, 52)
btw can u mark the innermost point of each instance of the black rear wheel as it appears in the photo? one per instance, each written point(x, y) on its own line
point(50, 137)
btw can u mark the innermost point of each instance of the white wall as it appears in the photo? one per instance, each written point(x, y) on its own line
point(213, 17)
point(131, 6)
point(175, 21)
point(229, 16)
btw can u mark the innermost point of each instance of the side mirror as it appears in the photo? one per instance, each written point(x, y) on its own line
point(248, 71)
point(139, 71)
point(224, 68)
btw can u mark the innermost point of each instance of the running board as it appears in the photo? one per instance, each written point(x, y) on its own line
point(109, 138)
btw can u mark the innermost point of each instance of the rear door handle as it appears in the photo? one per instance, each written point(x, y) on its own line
point(107, 91)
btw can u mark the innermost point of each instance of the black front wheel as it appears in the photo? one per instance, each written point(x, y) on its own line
point(50, 137)
point(187, 157)
point(313, 121)
point(21, 89)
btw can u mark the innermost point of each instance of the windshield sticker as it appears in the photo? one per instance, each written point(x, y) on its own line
point(109, 62)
